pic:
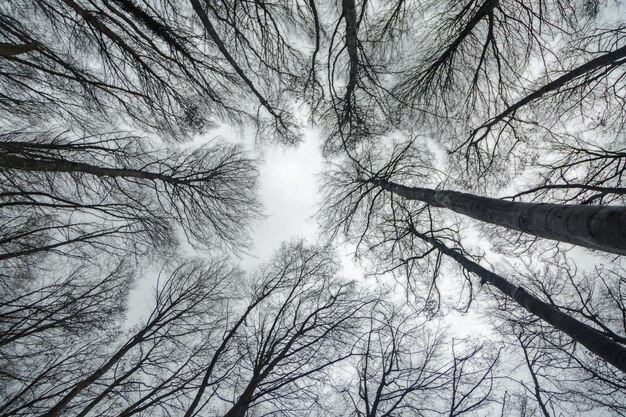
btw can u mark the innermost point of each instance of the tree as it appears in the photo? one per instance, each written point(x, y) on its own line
point(430, 112)
point(54, 321)
point(203, 342)
point(301, 330)
point(98, 368)
point(357, 204)
point(124, 189)
point(606, 345)
point(147, 61)
point(403, 369)
point(554, 371)
point(66, 306)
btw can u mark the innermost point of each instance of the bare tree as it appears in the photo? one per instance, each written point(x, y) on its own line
point(122, 187)
point(54, 321)
point(556, 375)
point(403, 370)
point(604, 344)
point(302, 329)
point(40, 308)
point(87, 376)
point(147, 60)
point(388, 228)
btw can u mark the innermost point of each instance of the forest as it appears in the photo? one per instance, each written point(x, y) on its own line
point(474, 168)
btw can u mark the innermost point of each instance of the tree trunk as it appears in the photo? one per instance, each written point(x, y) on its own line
point(614, 58)
point(594, 227)
point(594, 340)
point(60, 165)
point(58, 408)
point(348, 10)
point(9, 49)
point(240, 408)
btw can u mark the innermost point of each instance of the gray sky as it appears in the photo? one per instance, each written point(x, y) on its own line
point(288, 190)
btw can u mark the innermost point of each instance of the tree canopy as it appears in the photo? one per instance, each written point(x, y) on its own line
point(474, 155)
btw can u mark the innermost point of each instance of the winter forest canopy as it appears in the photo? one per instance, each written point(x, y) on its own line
point(473, 161)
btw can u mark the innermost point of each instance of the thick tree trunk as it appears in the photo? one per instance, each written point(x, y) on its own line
point(594, 340)
point(348, 10)
point(594, 227)
point(60, 165)
point(9, 49)
point(240, 408)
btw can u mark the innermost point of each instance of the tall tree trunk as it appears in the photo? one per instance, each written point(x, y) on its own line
point(9, 49)
point(61, 165)
point(611, 59)
point(240, 408)
point(594, 340)
point(594, 227)
point(58, 408)
point(348, 11)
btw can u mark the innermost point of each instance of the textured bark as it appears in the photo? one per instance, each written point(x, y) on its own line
point(62, 165)
point(594, 340)
point(349, 14)
point(595, 227)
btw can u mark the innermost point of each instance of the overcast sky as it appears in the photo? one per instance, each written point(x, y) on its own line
point(288, 189)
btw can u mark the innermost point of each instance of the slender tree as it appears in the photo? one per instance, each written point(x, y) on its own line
point(183, 303)
point(302, 330)
point(402, 370)
point(123, 187)
point(143, 60)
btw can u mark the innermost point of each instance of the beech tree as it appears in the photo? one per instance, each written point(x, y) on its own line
point(557, 374)
point(474, 156)
point(296, 334)
point(203, 342)
point(403, 369)
point(54, 321)
point(150, 62)
point(596, 227)
point(100, 367)
point(99, 189)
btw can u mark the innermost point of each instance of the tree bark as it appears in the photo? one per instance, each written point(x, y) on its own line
point(62, 165)
point(596, 227)
point(348, 10)
point(9, 49)
point(594, 340)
